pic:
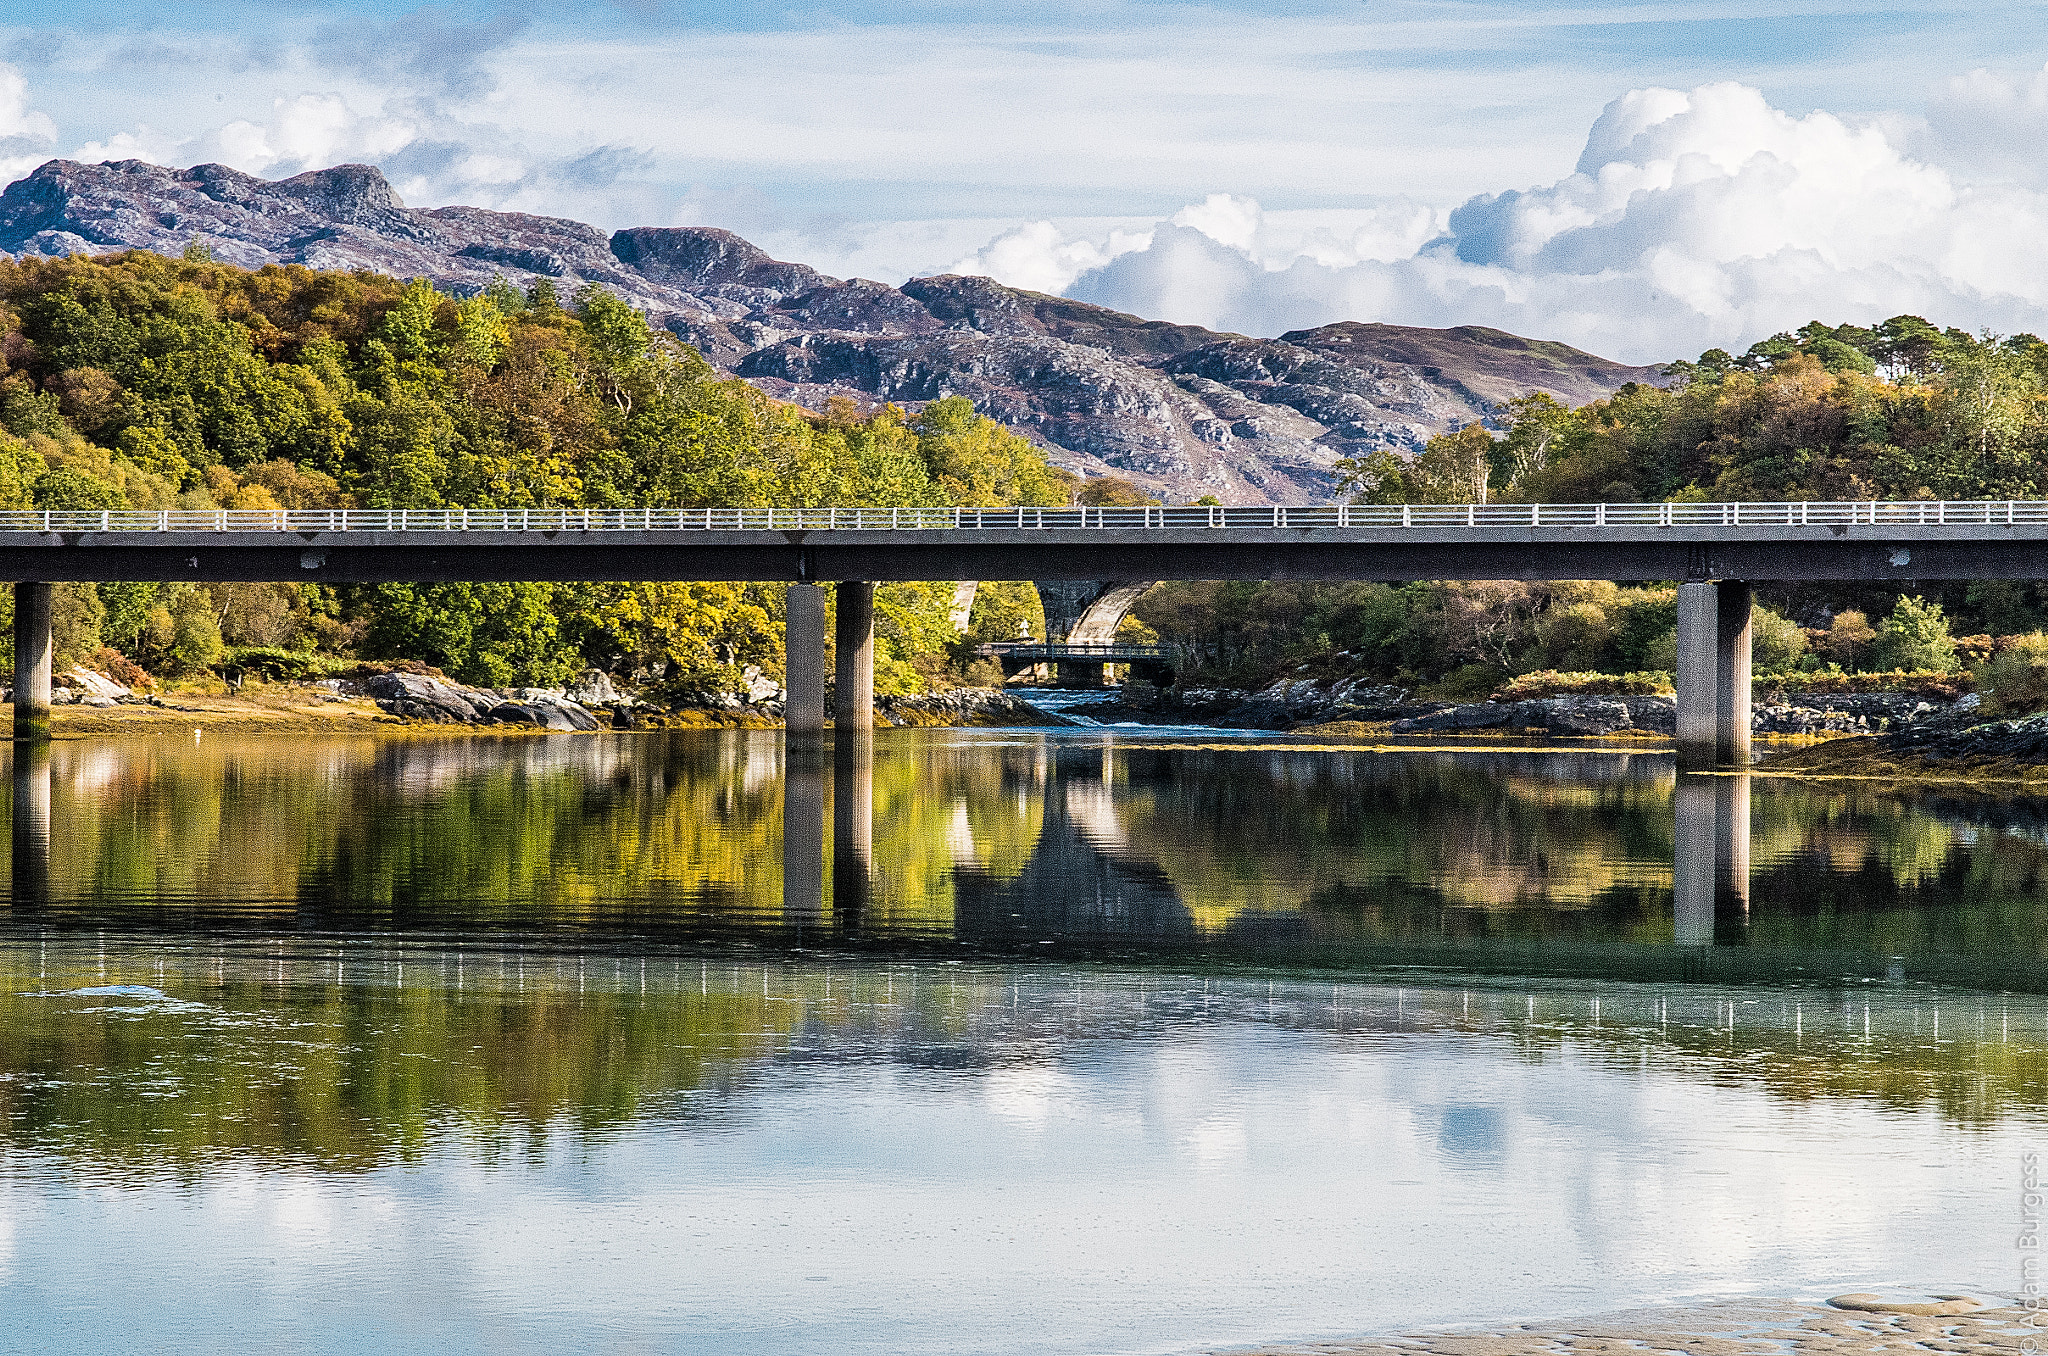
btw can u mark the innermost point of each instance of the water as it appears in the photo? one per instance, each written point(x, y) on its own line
point(1000, 1041)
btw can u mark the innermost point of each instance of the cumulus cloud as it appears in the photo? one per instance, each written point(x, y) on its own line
point(1692, 219)
point(310, 131)
point(1990, 124)
point(24, 132)
point(1040, 257)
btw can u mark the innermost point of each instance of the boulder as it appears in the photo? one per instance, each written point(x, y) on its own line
point(92, 684)
point(1473, 716)
point(1584, 716)
point(593, 687)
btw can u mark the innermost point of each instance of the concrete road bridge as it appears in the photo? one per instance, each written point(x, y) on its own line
point(1714, 550)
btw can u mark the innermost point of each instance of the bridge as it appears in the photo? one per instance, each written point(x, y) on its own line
point(1714, 549)
point(1081, 665)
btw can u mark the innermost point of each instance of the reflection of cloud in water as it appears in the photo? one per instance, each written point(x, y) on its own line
point(1473, 1137)
point(1032, 1093)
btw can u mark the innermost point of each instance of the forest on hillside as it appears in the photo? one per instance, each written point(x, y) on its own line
point(139, 381)
point(1900, 410)
point(136, 380)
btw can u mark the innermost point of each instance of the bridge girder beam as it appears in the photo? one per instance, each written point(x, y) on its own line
point(1885, 552)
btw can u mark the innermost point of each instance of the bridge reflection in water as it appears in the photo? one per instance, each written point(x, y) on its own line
point(1710, 858)
point(1086, 878)
point(1508, 860)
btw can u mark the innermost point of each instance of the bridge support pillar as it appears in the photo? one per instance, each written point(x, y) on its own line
point(853, 679)
point(804, 662)
point(1080, 673)
point(1713, 677)
point(32, 662)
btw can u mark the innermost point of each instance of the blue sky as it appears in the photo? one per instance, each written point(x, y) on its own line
point(897, 138)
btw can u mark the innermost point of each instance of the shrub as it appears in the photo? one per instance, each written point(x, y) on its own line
point(1930, 683)
point(2016, 679)
point(1469, 682)
point(120, 668)
point(1775, 644)
point(1915, 636)
point(1549, 683)
point(1846, 638)
point(284, 665)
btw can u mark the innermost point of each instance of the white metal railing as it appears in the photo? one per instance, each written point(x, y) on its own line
point(1904, 513)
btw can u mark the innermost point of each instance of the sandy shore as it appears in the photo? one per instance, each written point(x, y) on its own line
point(1731, 1328)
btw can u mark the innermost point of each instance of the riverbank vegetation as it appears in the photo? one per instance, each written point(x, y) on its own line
point(137, 381)
point(1900, 410)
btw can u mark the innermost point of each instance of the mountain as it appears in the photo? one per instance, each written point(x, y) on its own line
point(1182, 410)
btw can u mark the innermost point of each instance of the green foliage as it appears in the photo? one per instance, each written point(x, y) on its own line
point(494, 635)
point(1776, 644)
point(1897, 411)
point(2016, 679)
point(194, 643)
point(1915, 636)
point(1549, 683)
point(144, 382)
point(76, 614)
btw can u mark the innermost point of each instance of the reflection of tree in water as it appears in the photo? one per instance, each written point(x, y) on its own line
point(1019, 837)
point(1903, 872)
point(287, 1062)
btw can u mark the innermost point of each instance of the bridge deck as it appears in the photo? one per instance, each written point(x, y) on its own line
point(1863, 540)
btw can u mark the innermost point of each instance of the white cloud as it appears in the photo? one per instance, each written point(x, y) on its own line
point(144, 143)
point(1040, 258)
point(23, 130)
point(309, 131)
point(17, 119)
point(1693, 219)
point(1993, 125)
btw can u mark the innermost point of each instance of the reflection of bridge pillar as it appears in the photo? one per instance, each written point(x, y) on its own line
point(853, 680)
point(853, 824)
point(1713, 679)
point(31, 859)
point(804, 661)
point(803, 831)
point(1710, 861)
point(32, 661)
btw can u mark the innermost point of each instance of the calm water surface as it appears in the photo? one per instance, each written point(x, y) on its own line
point(994, 1041)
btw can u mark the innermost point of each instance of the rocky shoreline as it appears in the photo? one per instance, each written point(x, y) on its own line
point(594, 704)
point(417, 696)
point(1305, 703)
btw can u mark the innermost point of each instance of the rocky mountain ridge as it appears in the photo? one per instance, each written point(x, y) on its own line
point(1182, 410)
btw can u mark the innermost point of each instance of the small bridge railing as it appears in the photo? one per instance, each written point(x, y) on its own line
point(1365, 517)
point(1037, 652)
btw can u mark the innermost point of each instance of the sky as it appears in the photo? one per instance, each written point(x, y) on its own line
point(1643, 179)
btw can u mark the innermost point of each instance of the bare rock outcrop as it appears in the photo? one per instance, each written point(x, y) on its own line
point(1182, 410)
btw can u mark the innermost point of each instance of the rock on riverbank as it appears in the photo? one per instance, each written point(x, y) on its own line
point(416, 696)
point(966, 706)
point(425, 698)
point(1293, 704)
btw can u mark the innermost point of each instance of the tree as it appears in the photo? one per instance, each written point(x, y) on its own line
point(1112, 492)
point(1915, 636)
point(1378, 477)
point(1454, 468)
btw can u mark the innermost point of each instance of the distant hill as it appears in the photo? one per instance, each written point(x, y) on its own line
point(1182, 410)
